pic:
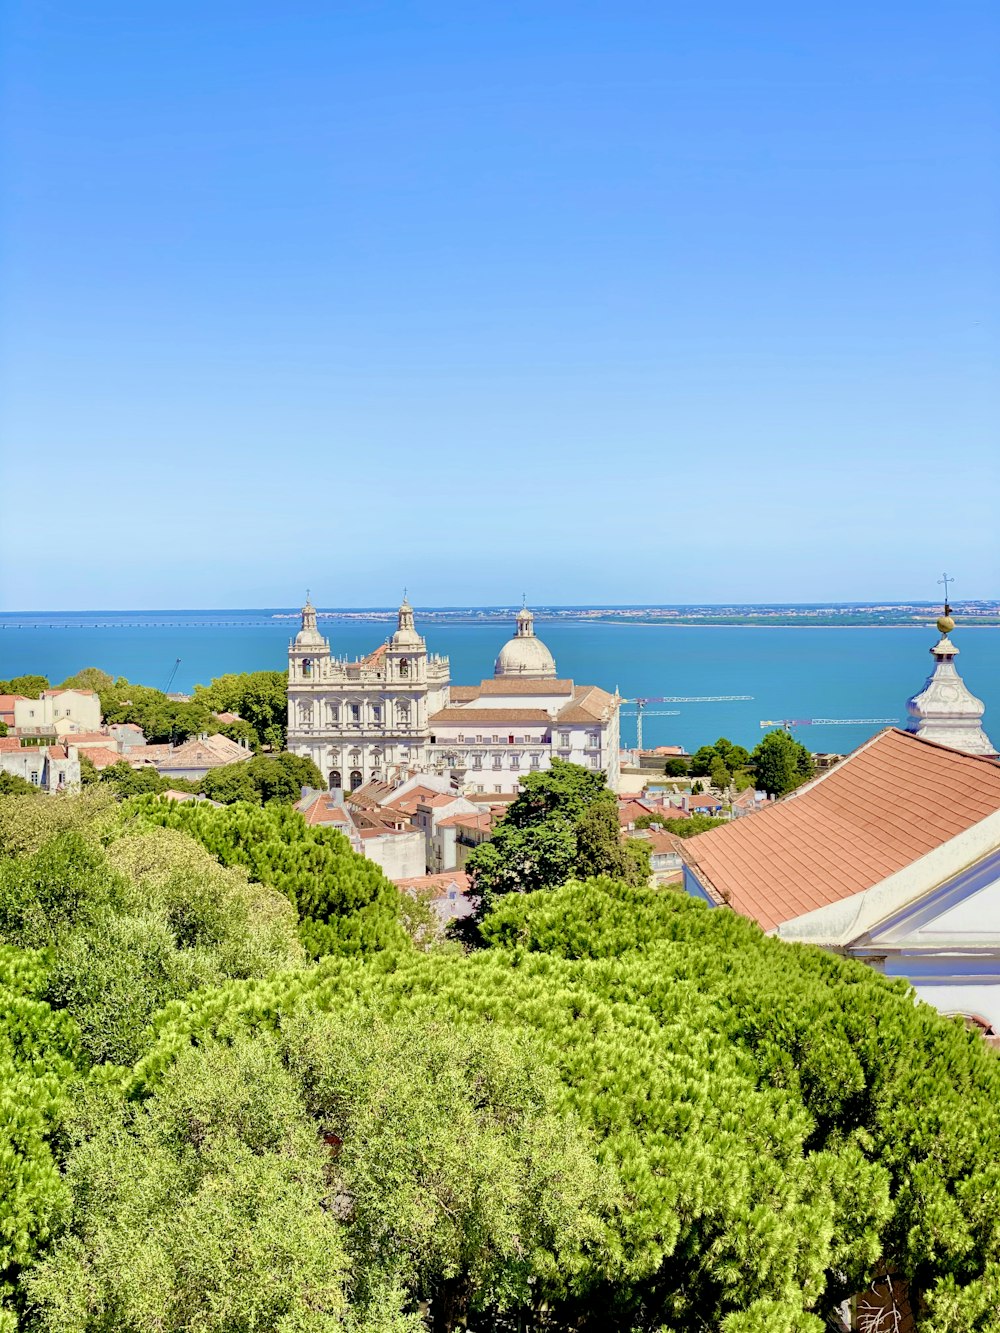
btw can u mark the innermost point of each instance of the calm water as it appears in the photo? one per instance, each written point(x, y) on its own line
point(792, 673)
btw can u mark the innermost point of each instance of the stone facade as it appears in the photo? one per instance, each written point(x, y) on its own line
point(395, 712)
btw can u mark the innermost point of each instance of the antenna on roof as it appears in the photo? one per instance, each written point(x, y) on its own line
point(946, 579)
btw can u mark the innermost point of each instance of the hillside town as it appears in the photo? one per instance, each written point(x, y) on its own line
point(890, 854)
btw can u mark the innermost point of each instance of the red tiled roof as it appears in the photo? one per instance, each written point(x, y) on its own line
point(100, 756)
point(69, 689)
point(10, 742)
point(629, 812)
point(589, 704)
point(886, 805)
point(325, 810)
point(57, 751)
point(512, 685)
point(489, 716)
point(438, 884)
point(482, 823)
point(702, 802)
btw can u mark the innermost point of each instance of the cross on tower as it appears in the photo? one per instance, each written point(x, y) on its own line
point(946, 579)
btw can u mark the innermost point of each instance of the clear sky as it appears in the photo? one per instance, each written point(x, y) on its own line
point(610, 302)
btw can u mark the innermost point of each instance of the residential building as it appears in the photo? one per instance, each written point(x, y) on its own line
point(54, 768)
point(446, 894)
point(65, 710)
point(7, 702)
point(390, 841)
point(192, 759)
point(395, 713)
point(893, 857)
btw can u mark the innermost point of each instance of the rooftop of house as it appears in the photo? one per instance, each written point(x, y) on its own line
point(589, 704)
point(438, 885)
point(101, 756)
point(198, 752)
point(511, 686)
point(481, 822)
point(319, 807)
point(887, 804)
point(470, 717)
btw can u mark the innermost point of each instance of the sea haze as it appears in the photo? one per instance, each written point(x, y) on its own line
point(801, 672)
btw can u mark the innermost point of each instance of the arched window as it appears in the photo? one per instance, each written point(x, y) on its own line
point(404, 666)
point(307, 666)
point(356, 780)
point(335, 782)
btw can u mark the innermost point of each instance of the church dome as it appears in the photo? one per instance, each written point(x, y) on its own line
point(524, 655)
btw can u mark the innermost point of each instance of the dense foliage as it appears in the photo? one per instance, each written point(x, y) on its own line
point(564, 823)
point(344, 903)
point(724, 763)
point(627, 1111)
point(781, 763)
point(687, 826)
point(779, 1122)
point(29, 687)
point(259, 697)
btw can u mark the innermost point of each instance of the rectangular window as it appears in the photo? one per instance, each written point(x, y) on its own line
point(34, 776)
point(496, 740)
point(376, 712)
point(461, 739)
point(498, 761)
point(564, 738)
point(355, 712)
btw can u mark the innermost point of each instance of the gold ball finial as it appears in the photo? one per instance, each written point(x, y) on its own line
point(945, 624)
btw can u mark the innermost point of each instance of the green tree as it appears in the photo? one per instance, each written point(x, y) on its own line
point(259, 697)
point(676, 768)
point(563, 823)
point(719, 775)
point(3, 728)
point(781, 763)
point(12, 784)
point(90, 678)
point(29, 686)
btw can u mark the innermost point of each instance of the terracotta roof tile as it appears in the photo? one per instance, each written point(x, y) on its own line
point(438, 884)
point(100, 756)
point(890, 802)
point(482, 823)
point(489, 716)
point(507, 685)
point(10, 743)
point(589, 704)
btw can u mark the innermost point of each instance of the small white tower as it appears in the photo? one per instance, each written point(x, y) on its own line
point(309, 651)
point(945, 710)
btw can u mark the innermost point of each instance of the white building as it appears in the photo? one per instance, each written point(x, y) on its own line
point(54, 768)
point(891, 856)
point(395, 712)
point(363, 721)
point(66, 711)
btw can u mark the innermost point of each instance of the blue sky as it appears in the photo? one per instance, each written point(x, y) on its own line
point(609, 302)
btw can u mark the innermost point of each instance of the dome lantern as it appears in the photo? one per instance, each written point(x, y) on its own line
point(525, 655)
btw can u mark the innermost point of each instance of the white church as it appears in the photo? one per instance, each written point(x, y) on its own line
point(892, 856)
point(395, 713)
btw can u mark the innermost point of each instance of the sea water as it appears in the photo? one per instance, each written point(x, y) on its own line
point(793, 673)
